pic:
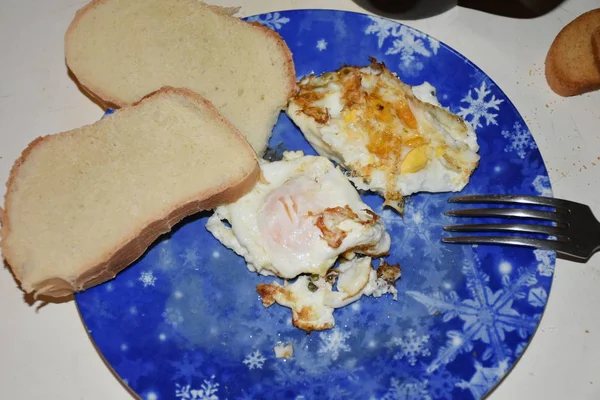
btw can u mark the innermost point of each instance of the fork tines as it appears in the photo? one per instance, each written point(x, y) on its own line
point(557, 242)
point(513, 198)
point(576, 234)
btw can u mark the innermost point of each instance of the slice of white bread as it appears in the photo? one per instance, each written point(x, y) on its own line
point(82, 205)
point(120, 50)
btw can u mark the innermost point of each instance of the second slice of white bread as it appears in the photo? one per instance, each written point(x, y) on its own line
point(82, 205)
point(120, 50)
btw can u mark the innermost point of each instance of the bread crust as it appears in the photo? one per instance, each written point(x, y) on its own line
point(567, 82)
point(137, 242)
point(106, 101)
point(596, 46)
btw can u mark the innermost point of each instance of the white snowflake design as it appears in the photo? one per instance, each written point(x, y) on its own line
point(537, 297)
point(172, 316)
point(478, 107)
point(321, 44)
point(487, 315)
point(408, 45)
point(255, 360)
point(545, 260)
point(273, 20)
point(147, 278)
point(484, 378)
point(208, 391)
point(384, 28)
point(190, 257)
point(407, 390)
point(541, 184)
point(406, 42)
point(520, 140)
point(332, 344)
point(411, 346)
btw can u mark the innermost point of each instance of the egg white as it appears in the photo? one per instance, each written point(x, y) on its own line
point(341, 130)
point(314, 300)
point(274, 226)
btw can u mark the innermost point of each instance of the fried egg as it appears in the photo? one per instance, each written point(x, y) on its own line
point(299, 219)
point(313, 299)
point(393, 143)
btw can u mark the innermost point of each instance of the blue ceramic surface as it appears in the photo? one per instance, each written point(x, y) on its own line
point(185, 322)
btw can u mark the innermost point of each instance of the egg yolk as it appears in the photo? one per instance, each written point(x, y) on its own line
point(285, 221)
point(415, 160)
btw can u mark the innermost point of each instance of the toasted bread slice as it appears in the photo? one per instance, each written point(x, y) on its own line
point(596, 46)
point(82, 205)
point(571, 66)
point(121, 50)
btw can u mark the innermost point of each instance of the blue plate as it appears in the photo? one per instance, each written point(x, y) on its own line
point(185, 322)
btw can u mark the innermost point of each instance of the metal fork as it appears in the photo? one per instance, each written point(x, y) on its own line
point(575, 234)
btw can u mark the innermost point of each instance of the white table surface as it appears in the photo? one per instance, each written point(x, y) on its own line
point(47, 354)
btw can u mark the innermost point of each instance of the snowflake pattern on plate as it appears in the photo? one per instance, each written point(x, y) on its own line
point(255, 360)
point(411, 346)
point(272, 20)
point(541, 184)
point(480, 105)
point(185, 322)
point(321, 44)
point(208, 391)
point(409, 44)
point(147, 278)
point(520, 140)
